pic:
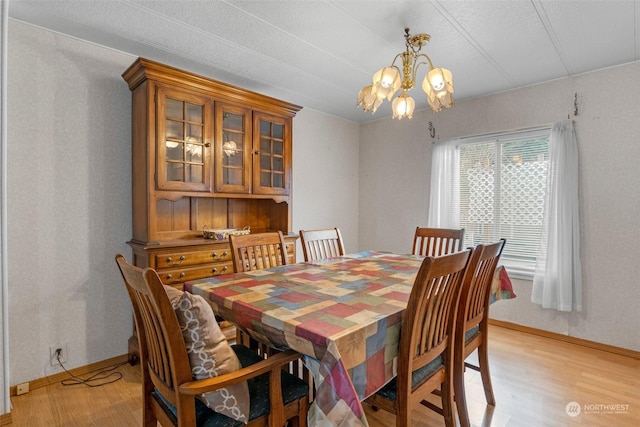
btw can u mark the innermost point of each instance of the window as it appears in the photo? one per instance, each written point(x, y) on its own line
point(502, 190)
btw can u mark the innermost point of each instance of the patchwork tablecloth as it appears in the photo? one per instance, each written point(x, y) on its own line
point(343, 314)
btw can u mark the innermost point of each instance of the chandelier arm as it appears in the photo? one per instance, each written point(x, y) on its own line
point(393, 63)
point(422, 55)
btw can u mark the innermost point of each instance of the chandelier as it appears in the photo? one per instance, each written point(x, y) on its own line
point(437, 84)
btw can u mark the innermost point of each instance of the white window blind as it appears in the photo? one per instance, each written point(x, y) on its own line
point(502, 193)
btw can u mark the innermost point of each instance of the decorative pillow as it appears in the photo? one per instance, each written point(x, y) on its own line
point(173, 294)
point(210, 354)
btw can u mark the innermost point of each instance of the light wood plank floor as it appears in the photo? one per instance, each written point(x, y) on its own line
point(534, 379)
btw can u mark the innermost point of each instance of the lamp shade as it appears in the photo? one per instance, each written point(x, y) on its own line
point(368, 100)
point(386, 82)
point(438, 85)
point(403, 106)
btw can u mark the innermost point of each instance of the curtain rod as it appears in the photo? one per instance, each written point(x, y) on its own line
point(489, 134)
point(527, 129)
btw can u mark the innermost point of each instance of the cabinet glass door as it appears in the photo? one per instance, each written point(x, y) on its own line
point(233, 149)
point(184, 130)
point(272, 161)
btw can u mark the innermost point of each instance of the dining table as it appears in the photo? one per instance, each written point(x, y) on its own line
point(342, 314)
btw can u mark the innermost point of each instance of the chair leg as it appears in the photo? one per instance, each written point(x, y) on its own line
point(483, 361)
point(448, 404)
point(459, 395)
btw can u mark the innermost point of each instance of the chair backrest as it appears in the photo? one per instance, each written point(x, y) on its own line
point(319, 244)
point(258, 251)
point(163, 354)
point(437, 241)
point(428, 325)
point(476, 288)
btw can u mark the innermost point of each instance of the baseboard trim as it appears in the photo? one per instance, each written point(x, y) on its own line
point(82, 370)
point(565, 338)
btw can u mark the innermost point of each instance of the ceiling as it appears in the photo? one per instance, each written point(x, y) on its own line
point(319, 54)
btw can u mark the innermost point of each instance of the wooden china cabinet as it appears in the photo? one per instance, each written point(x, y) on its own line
point(206, 155)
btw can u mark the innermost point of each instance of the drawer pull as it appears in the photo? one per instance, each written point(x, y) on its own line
point(170, 260)
point(215, 254)
point(170, 276)
point(215, 269)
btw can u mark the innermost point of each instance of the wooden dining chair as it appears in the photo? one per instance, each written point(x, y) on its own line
point(168, 385)
point(257, 251)
point(425, 355)
point(472, 323)
point(437, 241)
point(320, 244)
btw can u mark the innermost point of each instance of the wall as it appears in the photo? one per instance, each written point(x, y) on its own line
point(395, 180)
point(69, 200)
point(70, 196)
point(325, 175)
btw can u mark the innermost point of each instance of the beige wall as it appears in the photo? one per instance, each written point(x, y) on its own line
point(395, 163)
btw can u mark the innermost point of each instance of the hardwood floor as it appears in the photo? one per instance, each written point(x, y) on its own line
point(534, 379)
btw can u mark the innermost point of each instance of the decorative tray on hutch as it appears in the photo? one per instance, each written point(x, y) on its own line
point(223, 233)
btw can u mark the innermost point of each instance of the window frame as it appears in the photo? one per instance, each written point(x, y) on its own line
point(517, 269)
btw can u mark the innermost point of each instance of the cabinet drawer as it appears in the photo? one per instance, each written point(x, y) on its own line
point(179, 275)
point(183, 259)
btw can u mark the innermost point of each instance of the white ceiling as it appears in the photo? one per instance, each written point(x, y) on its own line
point(318, 54)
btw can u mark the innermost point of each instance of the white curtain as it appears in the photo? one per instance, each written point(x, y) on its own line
point(557, 282)
point(444, 198)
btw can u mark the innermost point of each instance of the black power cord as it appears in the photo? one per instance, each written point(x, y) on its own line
point(105, 376)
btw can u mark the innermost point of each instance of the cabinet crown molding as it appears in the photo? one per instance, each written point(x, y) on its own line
point(143, 69)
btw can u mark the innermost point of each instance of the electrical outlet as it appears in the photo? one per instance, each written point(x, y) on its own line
point(53, 354)
point(22, 388)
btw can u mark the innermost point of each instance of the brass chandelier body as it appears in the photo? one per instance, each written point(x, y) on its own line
point(437, 83)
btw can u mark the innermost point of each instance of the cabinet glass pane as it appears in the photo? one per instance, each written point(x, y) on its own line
point(193, 153)
point(278, 182)
point(278, 164)
point(233, 176)
point(278, 148)
point(265, 162)
point(194, 173)
point(265, 146)
point(231, 149)
point(174, 171)
point(232, 121)
point(174, 130)
point(265, 128)
point(234, 160)
point(174, 108)
point(194, 113)
point(265, 179)
point(195, 131)
point(174, 151)
point(277, 131)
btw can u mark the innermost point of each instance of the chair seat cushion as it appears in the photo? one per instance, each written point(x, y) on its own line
point(293, 388)
point(471, 333)
point(390, 391)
